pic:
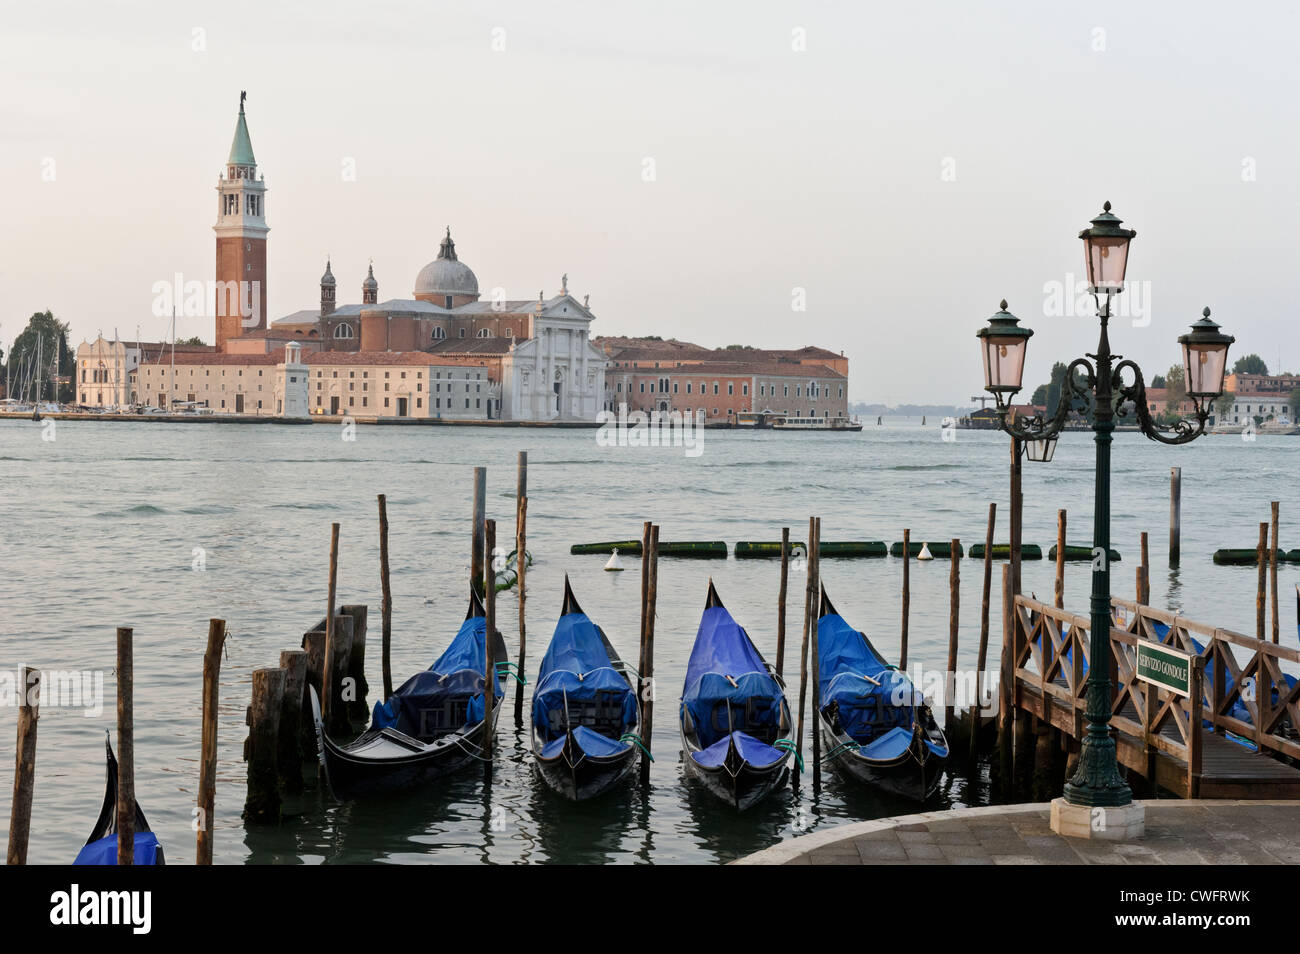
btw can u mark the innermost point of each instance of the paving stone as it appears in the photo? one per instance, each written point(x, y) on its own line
point(913, 837)
point(870, 851)
point(924, 853)
point(1015, 860)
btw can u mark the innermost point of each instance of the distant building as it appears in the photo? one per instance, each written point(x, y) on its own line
point(104, 370)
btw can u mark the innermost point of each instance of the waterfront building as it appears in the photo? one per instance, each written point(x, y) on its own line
point(103, 376)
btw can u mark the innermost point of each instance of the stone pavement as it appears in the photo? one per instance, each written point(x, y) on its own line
point(1178, 832)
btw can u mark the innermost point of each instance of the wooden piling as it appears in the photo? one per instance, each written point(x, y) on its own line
point(1016, 517)
point(289, 757)
point(327, 670)
point(648, 706)
point(780, 602)
point(20, 813)
point(208, 755)
point(386, 604)
point(125, 747)
point(815, 567)
point(476, 531)
point(339, 656)
point(313, 644)
point(982, 658)
point(644, 689)
point(1059, 588)
point(954, 615)
point(1144, 591)
point(521, 567)
point(907, 597)
point(1175, 513)
point(490, 607)
point(1272, 570)
point(1262, 585)
point(261, 750)
point(1006, 681)
point(803, 646)
point(357, 708)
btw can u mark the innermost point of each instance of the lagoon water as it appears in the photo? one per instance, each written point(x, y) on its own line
point(103, 526)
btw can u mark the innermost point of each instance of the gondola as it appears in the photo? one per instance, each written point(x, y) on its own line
point(876, 726)
point(735, 721)
point(584, 709)
point(431, 726)
point(101, 846)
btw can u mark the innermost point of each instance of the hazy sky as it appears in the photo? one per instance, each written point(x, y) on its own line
point(907, 168)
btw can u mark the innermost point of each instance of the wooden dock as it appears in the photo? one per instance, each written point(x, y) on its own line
point(1232, 736)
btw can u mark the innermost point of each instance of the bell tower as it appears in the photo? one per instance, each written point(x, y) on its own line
point(241, 229)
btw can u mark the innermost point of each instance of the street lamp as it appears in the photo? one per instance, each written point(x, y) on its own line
point(1205, 353)
point(1040, 450)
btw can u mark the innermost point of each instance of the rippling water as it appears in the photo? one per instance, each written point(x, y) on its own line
point(101, 526)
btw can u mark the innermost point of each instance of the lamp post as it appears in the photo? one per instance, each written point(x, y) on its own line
point(1004, 342)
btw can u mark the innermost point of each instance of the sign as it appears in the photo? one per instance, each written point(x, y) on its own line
point(1164, 667)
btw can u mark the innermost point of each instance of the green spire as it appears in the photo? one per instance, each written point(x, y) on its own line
point(241, 148)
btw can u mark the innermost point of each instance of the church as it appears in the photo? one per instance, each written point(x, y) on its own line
point(537, 356)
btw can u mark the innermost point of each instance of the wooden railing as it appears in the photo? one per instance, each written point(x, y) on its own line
point(1046, 651)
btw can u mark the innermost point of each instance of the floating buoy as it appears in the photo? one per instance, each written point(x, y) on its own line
point(925, 553)
point(614, 562)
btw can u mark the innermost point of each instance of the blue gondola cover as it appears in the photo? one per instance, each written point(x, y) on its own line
point(104, 851)
point(427, 696)
point(728, 688)
point(577, 666)
point(868, 712)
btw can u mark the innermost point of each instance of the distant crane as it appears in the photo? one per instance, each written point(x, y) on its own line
point(982, 398)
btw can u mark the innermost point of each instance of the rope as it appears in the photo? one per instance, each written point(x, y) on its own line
point(636, 740)
point(839, 748)
point(789, 746)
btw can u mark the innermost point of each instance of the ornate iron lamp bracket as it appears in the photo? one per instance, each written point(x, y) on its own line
point(1180, 432)
point(1039, 427)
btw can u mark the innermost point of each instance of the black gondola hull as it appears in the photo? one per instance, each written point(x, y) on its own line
point(589, 777)
point(915, 774)
point(740, 785)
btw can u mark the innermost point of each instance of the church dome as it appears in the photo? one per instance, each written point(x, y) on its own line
point(446, 275)
point(328, 277)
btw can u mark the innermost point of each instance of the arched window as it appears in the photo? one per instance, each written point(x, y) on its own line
point(343, 331)
point(439, 334)
point(484, 333)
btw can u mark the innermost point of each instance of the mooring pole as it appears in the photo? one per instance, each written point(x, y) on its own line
point(808, 610)
point(20, 815)
point(489, 662)
point(1272, 570)
point(815, 566)
point(1059, 589)
point(327, 671)
point(208, 754)
point(521, 569)
point(982, 659)
point(954, 616)
point(780, 601)
point(125, 749)
point(386, 604)
point(644, 688)
point(1175, 513)
point(907, 598)
point(1261, 588)
point(480, 514)
point(648, 709)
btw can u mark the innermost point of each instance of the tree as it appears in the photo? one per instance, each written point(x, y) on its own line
point(47, 337)
point(1223, 406)
point(195, 340)
point(1294, 402)
point(1250, 364)
point(1176, 390)
point(1158, 381)
point(1040, 396)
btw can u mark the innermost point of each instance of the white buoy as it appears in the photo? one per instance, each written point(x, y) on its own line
point(925, 553)
point(614, 562)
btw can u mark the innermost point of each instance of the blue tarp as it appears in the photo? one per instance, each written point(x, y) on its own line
point(867, 712)
point(756, 753)
point(104, 851)
point(415, 707)
point(717, 706)
point(590, 741)
point(578, 667)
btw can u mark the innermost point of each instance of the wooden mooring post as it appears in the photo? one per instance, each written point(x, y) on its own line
point(355, 663)
point(808, 611)
point(208, 755)
point(815, 569)
point(1144, 564)
point(954, 616)
point(476, 530)
point(386, 604)
point(289, 757)
point(982, 658)
point(907, 598)
point(1059, 588)
point(489, 663)
point(521, 569)
point(20, 813)
point(1175, 514)
point(1272, 569)
point(1261, 588)
point(648, 652)
point(1006, 681)
point(125, 747)
point(261, 749)
point(780, 602)
point(327, 670)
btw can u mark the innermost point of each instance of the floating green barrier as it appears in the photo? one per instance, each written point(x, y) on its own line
point(622, 546)
point(751, 550)
point(1002, 551)
point(1080, 553)
point(1293, 556)
point(703, 549)
point(938, 549)
point(1242, 557)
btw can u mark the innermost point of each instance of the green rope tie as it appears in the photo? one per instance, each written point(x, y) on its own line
point(843, 746)
point(789, 746)
point(636, 740)
point(505, 669)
